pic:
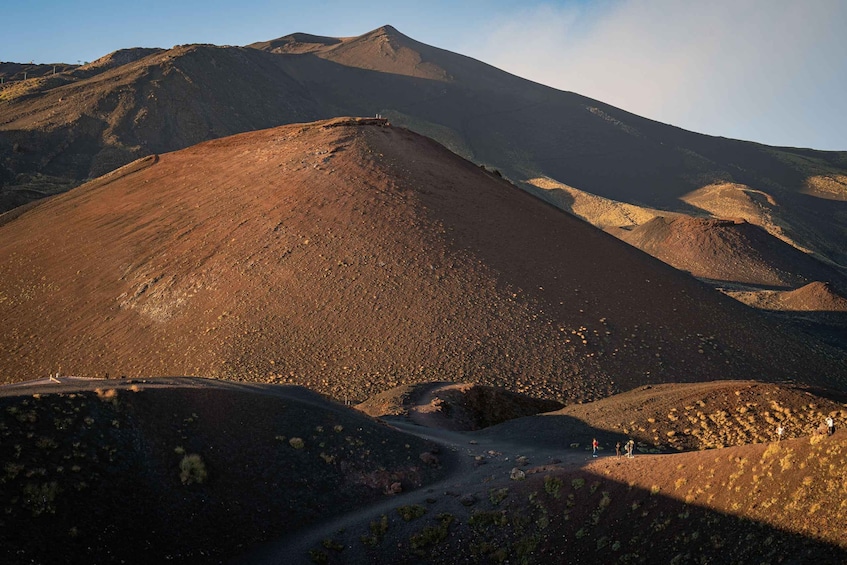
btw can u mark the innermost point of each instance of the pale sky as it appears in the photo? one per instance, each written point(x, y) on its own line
point(773, 71)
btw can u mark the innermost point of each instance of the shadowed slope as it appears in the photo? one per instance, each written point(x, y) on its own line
point(95, 120)
point(352, 258)
point(776, 503)
point(185, 470)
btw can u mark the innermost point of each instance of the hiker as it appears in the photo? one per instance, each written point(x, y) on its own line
point(594, 445)
point(618, 449)
point(830, 425)
point(779, 432)
point(630, 446)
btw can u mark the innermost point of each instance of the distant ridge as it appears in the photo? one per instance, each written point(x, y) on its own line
point(59, 130)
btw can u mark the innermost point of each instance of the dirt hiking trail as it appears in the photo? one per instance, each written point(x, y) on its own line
point(475, 465)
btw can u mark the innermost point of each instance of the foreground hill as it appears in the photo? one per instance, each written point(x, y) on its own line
point(353, 257)
point(776, 503)
point(195, 470)
point(87, 124)
point(191, 470)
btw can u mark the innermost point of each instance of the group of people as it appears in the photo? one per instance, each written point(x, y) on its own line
point(629, 447)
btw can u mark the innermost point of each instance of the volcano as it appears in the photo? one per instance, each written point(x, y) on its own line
point(59, 130)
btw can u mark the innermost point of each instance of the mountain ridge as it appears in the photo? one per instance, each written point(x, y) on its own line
point(59, 131)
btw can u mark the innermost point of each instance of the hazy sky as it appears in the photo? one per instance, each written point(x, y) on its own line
point(773, 71)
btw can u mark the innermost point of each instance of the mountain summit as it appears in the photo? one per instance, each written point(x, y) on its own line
point(56, 131)
point(384, 50)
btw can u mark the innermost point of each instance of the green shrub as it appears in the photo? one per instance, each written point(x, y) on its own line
point(552, 485)
point(483, 519)
point(432, 535)
point(192, 469)
point(318, 556)
point(330, 543)
point(497, 495)
point(410, 512)
point(39, 498)
point(378, 530)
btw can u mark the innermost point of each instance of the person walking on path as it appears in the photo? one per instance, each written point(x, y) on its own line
point(618, 449)
point(594, 445)
point(830, 425)
point(630, 445)
point(779, 431)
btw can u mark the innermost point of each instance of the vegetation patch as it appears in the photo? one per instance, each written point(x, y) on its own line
point(411, 512)
point(192, 469)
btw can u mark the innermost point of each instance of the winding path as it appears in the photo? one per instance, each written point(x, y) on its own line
point(475, 464)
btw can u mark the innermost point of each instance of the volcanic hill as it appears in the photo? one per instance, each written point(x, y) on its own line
point(813, 297)
point(351, 257)
point(728, 250)
point(56, 133)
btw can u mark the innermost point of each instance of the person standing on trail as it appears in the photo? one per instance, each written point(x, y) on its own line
point(830, 425)
point(595, 444)
point(779, 431)
point(618, 449)
point(630, 445)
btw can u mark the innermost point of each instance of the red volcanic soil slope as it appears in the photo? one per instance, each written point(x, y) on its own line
point(816, 296)
point(685, 416)
point(352, 257)
point(727, 250)
point(533, 493)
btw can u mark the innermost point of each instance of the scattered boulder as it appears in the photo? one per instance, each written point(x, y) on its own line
point(394, 488)
point(468, 500)
point(429, 458)
point(517, 474)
